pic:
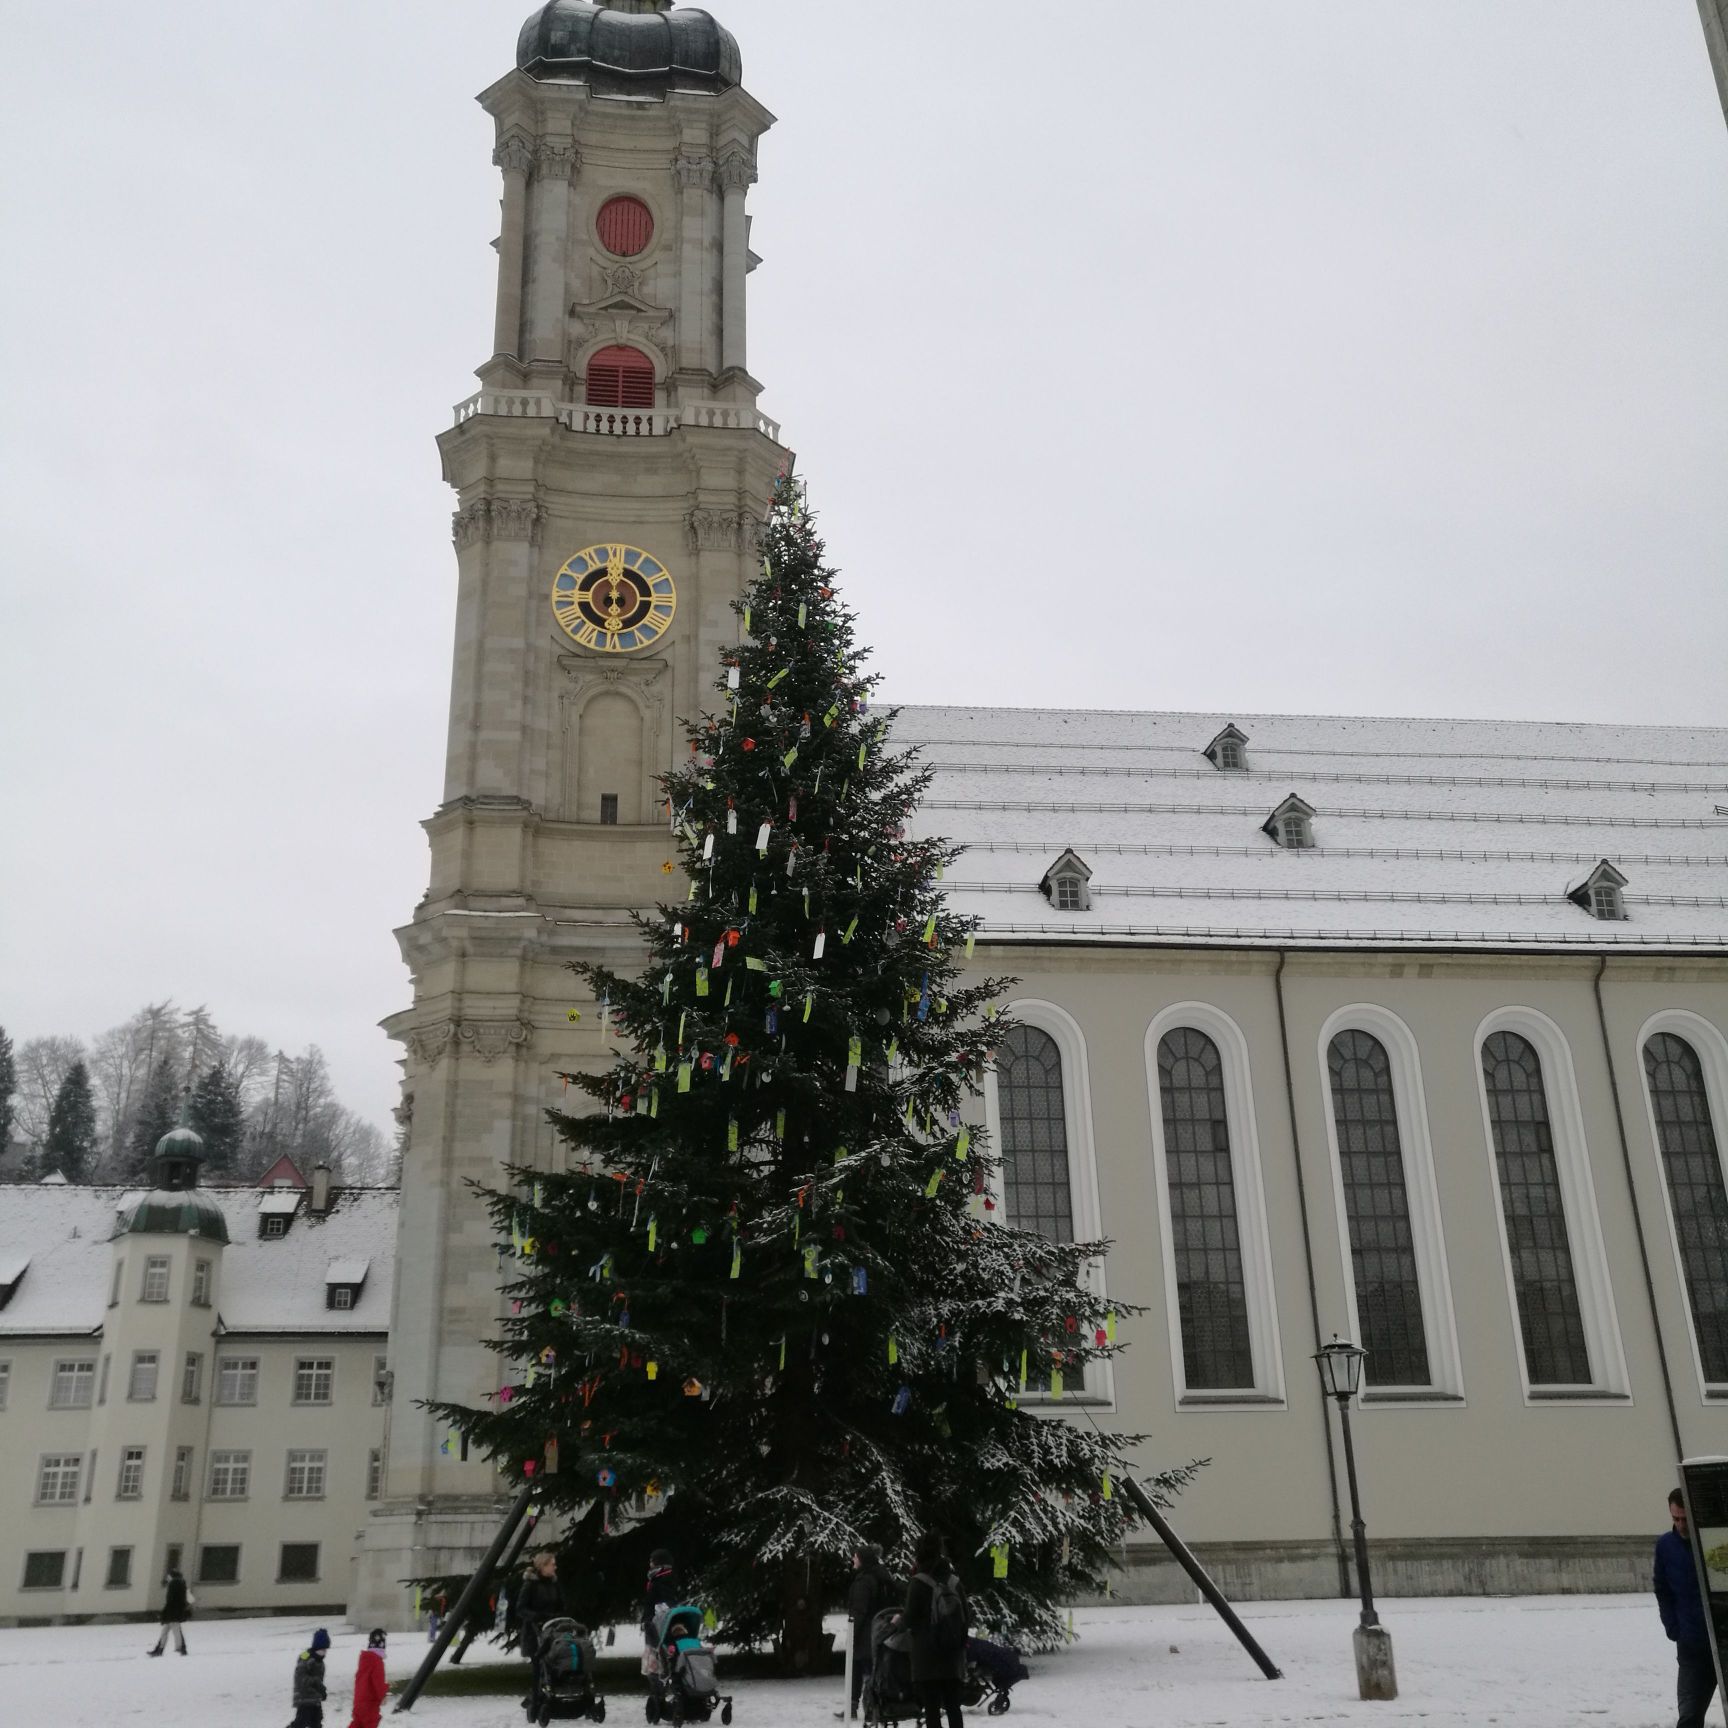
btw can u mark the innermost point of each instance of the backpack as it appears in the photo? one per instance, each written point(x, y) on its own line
point(947, 1615)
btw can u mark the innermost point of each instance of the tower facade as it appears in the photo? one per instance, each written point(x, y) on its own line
point(609, 475)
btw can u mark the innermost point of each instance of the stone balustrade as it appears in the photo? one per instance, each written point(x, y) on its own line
point(615, 422)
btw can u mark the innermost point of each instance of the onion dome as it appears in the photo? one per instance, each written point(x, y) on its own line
point(176, 1206)
point(641, 46)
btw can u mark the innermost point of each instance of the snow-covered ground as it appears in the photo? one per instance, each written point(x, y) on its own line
point(1528, 1662)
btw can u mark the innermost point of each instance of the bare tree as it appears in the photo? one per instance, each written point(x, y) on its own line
point(43, 1064)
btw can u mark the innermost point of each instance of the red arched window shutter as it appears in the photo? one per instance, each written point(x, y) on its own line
point(625, 226)
point(620, 377)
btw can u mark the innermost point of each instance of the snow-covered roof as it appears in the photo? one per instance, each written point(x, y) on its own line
point(267, 1284)
point(348, 1271)
point(276, 1200)
point(1450, 833)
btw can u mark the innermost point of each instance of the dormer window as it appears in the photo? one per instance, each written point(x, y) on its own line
point(1228, 752)
point(1066, 884)
point(276, 1208)
point(273, 1226)
point(342, 1282)
point(1291, 825)
point(1601, 893)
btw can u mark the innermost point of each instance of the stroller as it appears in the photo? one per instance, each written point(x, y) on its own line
point(992, 1672)
point(565, 1674)
point(683, 1687)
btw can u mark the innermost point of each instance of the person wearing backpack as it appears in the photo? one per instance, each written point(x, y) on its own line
point(935, 1619)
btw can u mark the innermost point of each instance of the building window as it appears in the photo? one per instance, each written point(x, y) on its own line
point(341, 1296)
point(380, 1379)
point(299, 1563)
point(172, 1557)
point(620, 377)
point(1229, 755)
point(155, 1279)
point(314, 1379)
point(119, 1569)
point(1377, 1211)
point(1550, 1319)
point(1294, 833)
point(57, 1478)
point(200, 1283)
point(131, 1483)
point(230, 1475)
point(609, 809)
point(219, 1564)
point(45, 1569)
point(1697, 1190)
point(624, 226)
point(273, 1224)
point(1211, 1286)
point(102, 1380)
point(1068, 894)
point(141, 1383)
point(374, 1472)
point(192, 1378)
point(72, 1385)
point(5, 1382)
point(181, 1486)
point(114, 1287)
point(305, 1476)
point(1034, 1126)
point(1606, 901)
point(237, 1380)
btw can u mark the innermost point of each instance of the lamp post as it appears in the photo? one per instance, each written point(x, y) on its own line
point(1340, 1366)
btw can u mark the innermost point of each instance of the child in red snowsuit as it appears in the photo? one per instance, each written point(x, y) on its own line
point(370, 1686)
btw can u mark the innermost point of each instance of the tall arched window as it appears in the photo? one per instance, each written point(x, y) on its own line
point(1698, 1197)
point(620, 377)
point(1549, 1317)
point(1377, 1210)
point(1034, 1132)
point(1211, 1289)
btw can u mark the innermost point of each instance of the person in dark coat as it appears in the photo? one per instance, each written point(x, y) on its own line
point(872, 1589)
point(309, 1683)
point(176, 1611)
point(1681, 1605)
point(539, 1600)
point(661, 1591)
point(938, 1659)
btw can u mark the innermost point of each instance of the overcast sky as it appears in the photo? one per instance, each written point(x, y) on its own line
point(1308, 356)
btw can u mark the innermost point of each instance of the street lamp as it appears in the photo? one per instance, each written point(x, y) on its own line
point(1340, 1366)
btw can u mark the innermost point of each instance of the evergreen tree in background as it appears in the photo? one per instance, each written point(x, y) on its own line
point(771, 1293)
point(218, 1113)
point(70, 1146)
point(158, 1113)
point(8, 1086)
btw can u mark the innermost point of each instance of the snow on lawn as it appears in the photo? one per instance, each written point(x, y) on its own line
point(1528, 1662)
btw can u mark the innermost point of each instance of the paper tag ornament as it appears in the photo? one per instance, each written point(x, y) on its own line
point(999, 1559)
point(902, 1401)
point(819, 947)
point(964, 1143)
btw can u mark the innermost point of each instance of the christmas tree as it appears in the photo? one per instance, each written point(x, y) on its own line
point(70, 1146)
point(769, 1312)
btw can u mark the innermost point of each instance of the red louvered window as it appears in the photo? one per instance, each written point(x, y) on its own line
point(625, 227)
point(620, 377)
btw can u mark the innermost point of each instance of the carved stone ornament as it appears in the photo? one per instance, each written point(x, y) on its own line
point(556, 160)
point(429, 1043)
point(736, 172)
point(716, 530)
point(490, 1039)
point(515, 155)
point(497, 519)
point(619, 279)
point(697, 171)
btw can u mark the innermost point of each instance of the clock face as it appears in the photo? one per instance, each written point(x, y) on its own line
point(613, 598)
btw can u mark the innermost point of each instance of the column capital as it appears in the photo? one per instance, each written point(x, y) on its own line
point(515, 154)
point(737, 171)
point(554, 159)
point(497, 519)
point(694, 171)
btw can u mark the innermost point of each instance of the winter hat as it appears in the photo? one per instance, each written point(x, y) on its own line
point(375, 1638)
point(320, 1639)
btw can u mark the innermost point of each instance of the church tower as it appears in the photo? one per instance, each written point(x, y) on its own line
point(609, 476)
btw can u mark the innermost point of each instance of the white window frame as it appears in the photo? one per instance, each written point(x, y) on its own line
point(29, 1555)
point(158, 1279)
point(375, 1473)
point(1606, 901)
point(312, 1466)
point(235, 1463)
point(192, 1378)
point(201, 1275)
point(68, 1471)
point(110, 1582)
point(380, 1380)
point(274, 1227)
point(1099, 1383)
point(245, 1371)
point(1708, 1040)
point(81, 1373)
point(1264, 1339)
point(1427, 1230)
point(313, 1367)
point(144, 1361)
point(1610, 1383)
point(1069, 893)
point(129, 1483)
point(180, 1487)
point(342, 1297)
point(317, 1567)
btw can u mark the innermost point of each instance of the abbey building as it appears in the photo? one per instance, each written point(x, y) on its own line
point(1410, 1032)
